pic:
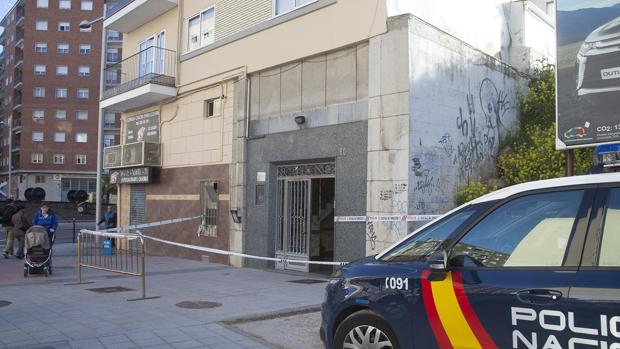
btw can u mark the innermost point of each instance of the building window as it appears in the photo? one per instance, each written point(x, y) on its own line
point(41, 25)
point(84, 71)
point(212, 107)
point(39, 69)
point(64, 4)
point(39, 179)
point(38, 114)
point(39, 92)
point(64, 26)
point(81, 137)
point(37, 158)
point(63, 48)
point(42, 3)
point(109, 120)
point(80, 159)
point(109, 140)
point(37, 136)
point(284, 6)
point(59, 137)
point(62, 70)
point(82, 93)
point(111, 76)
point(61, 93)
point(87, 5)
point(112, 55)
point(59, 159)
point(209, 206)
point(200, 29)
point(81, 115)
point(113, 35)
point(60, 114)
point(40, 47)
point(84, 49)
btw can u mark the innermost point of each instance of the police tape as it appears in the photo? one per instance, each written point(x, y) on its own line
point(208, 249)
point(385, 218)
point(148, 225)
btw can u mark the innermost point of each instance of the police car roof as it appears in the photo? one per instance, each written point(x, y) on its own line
point(548, 183)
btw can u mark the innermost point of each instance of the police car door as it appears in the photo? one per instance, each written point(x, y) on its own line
point(593, 317)
point(508, 275)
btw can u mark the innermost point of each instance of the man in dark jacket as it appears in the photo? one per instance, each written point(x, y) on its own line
point(7, 222)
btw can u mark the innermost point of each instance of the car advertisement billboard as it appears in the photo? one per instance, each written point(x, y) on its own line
point(588, 72)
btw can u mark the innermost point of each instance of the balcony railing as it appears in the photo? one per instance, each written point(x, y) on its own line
point(154, 65)
point(114, 9)
point(17, 101)
point(19, 16)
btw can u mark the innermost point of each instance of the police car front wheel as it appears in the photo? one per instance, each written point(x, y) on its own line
point(364, 330)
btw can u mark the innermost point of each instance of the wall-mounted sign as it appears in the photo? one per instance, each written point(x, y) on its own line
point(131, 175)
point(142, 128)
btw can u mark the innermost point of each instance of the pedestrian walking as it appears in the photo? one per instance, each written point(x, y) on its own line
point(47, 218)
point(109, 218)
point(9, 210)
point(20, 224)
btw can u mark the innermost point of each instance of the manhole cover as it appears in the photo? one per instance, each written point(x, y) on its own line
point(198, 305)
point(110, 289)
point(308, 281)
point(4, 304)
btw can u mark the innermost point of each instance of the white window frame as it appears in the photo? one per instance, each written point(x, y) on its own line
point(36, 158)
point(62, 70)
point(81, 137)
point(85, 49)
point(41, 25)
point(37, 139)
point(200, 31)
point(58, 93)
point(64, 24)
point(43, 4)
point(81, 112)
point(60, 137)
point(65, 7)
point(80, 159)
point(41, 90)
point(38, 114)
point(60, 48)
point(295, 7)
point(81, 95)
point(40, 69)
point(58, 159)
point(84, 70)
point(40, 47)
point(87, 7)
point(60, 114)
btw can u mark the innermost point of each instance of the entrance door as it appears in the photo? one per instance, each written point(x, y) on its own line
point(294, 222)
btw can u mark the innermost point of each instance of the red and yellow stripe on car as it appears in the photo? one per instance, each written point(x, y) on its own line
point(453, 320)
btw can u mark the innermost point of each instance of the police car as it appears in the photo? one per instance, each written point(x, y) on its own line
point(535, 265)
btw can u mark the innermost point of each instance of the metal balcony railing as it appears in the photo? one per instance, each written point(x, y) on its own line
point(117, 7)
point(17, 101)
point(154, 65)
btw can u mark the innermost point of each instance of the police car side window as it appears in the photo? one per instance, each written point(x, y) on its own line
point(608, 255)
point(529, 231)
point(421, 245)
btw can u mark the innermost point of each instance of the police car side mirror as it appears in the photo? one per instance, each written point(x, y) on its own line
point(438, 261)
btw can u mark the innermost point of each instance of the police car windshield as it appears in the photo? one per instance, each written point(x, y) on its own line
point(421, 245)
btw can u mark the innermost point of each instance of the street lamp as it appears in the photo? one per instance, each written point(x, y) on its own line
point(3, 123)
point(85, 25)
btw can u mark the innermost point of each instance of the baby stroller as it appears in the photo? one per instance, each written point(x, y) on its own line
point(38, 246)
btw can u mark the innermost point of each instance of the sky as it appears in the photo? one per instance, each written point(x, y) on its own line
point(571, 5)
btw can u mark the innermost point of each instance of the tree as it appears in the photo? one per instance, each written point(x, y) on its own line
point(529, 153)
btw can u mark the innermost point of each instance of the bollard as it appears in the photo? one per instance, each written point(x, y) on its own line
point(73, 220)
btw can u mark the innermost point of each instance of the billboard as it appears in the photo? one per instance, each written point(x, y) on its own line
point(588, 72)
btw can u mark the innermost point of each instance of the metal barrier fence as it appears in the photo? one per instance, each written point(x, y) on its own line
point(126, 258)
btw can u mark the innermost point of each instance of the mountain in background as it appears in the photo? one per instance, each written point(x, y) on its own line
point(575, 26)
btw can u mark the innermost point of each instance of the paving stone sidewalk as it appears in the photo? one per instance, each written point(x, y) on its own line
point(46, 313)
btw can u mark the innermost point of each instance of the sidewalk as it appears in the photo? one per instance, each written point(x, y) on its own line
point(44, 312)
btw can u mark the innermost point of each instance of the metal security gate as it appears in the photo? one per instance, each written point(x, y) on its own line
point(293, 206)
point(137, 204)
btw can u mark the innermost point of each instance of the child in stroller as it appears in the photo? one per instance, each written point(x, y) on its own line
point(38, 248)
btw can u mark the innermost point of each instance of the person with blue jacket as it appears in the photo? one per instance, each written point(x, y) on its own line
point(46, 218)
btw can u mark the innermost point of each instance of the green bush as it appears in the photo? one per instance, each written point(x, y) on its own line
point(472, 190)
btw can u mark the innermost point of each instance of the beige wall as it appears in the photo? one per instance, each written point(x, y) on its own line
point(353, 20)
point(167, 22)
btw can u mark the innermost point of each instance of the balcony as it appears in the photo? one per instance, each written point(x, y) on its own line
point(114, 38)
point(132, 155)
point(19, 16)
point(3, 38)
point(17, 103)
point(19, 40)
point(145, 78)
point(127, 15)
point(19, 61)
point(18, 83)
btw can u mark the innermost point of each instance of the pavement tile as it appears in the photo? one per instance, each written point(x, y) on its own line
point(188, 345)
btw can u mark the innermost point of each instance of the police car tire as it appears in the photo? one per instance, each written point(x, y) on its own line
point(363, 318)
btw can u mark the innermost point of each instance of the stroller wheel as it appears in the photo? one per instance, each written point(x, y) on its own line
point(26, 272)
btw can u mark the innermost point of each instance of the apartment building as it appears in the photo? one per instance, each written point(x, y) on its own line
point(50, 88)
point(283, 126)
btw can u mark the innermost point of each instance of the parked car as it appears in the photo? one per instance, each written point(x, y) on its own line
point(522, 267)
point(598, 61)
